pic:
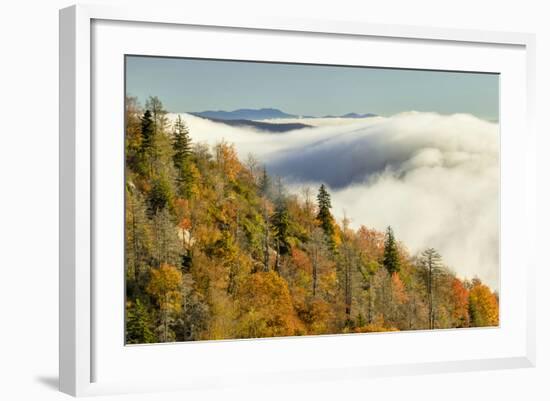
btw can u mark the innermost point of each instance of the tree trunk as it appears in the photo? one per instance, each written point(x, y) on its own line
point(371, 299)
point(165, 314)
point(136, 272)
point(315, 262)
point(277, 256)
point(266, 240)
point(232, 284)
point(347, 275)
point(430, 295)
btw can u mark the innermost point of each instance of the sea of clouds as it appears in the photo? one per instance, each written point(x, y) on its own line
point(434, 178)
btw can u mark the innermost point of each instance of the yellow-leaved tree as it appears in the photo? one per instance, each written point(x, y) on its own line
point(227, 159)
point(266, 307)
point(483, 305)
point(165, 286)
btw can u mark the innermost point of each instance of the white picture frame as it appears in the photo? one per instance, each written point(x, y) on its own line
point(82, 62)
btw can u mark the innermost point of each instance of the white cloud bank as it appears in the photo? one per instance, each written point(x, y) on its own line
point(433, 178)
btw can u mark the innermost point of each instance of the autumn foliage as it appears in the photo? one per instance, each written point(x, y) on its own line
point(483, 305)
point(266, 308)
point(217, 248)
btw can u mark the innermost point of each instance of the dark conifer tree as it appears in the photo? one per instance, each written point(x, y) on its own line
point(160, 195)
point(323, 215)
point(138, 325)
point(280, 222)
point(147, 143)
point(147, 132)
point(181, 143)
point(391, 256)
point(182, 158)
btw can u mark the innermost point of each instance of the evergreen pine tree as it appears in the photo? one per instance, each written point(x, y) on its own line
point(264, 184)
point(160, 195)
point(182, 158)
point(280, 222)
point(138, 330)
point(324, 216)
point(147, 131)
point(181, 143)
point(147, 142)
point(391, 256)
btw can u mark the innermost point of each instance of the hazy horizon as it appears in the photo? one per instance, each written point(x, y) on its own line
point(195, 85)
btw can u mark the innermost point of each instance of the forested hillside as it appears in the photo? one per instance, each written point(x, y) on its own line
point(216, 248)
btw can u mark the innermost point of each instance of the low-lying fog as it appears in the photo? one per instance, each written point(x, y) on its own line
point(433, 178)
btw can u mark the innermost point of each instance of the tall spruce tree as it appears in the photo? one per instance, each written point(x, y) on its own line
point(264, 184)
point(147, 142)
point(324, 216)
point(280, 222)
point(181, 146)
point(147, 131)
point(391, 256)
point(181, 143)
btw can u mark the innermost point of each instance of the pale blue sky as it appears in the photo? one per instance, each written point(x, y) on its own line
point(187, 85)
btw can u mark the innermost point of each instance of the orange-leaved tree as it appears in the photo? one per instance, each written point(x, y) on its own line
point(459, 298)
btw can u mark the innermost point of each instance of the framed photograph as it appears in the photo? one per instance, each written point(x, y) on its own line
point(278, 200)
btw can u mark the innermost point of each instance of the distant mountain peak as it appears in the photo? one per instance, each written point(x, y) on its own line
point(265, 113)
point(356, 115)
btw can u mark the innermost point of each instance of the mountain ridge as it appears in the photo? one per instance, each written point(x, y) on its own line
point(265, 114)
